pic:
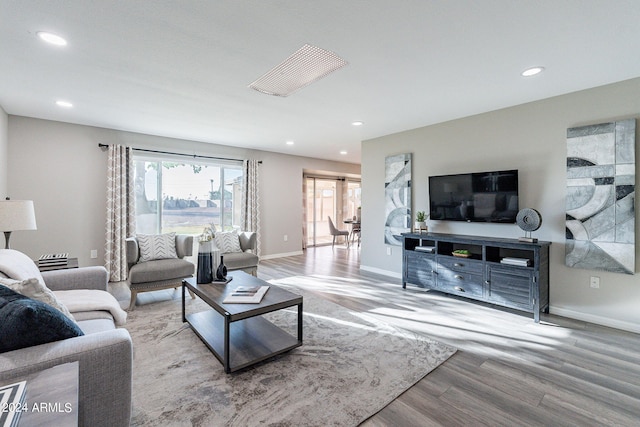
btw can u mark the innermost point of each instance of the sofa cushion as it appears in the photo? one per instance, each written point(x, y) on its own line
point(238, 260)
point(93, 326)
point(228, 241)
point(157, 246)
point(164, 269)
point(26, 322)
point(32, 288)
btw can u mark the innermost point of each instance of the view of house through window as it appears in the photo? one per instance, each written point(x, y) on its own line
point(184, 197)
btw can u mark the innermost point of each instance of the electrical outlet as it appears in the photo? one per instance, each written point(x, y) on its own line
point(388, 250)
point(286, 238)
point(94, 253)
point(594, 282)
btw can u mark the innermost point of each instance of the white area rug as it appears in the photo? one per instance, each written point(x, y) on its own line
point(349, 367)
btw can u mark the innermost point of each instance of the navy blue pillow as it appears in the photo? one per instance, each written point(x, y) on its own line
point(25, 322)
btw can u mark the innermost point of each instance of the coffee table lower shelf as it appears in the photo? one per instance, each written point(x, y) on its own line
point(251, 340)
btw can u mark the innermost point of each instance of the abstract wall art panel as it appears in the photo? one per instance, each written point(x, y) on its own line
point(600, 224)
point(397, 194)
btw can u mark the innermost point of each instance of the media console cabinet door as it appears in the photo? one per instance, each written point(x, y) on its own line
point(420, 269)
point(510, 285)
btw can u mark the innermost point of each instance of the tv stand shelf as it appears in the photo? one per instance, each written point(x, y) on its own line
point(505, 272)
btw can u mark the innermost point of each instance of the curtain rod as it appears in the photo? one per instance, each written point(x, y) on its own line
point(104, 146)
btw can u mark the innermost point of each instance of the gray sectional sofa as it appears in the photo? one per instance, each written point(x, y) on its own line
point(103, 353)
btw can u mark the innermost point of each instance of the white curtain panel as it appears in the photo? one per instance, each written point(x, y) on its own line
point(120, 210)
point(251, 200)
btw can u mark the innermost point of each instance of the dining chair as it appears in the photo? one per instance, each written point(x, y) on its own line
point(335, 233)
point(355, 230)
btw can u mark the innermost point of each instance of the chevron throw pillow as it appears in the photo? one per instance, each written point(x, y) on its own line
point(227, 241)
point(157, 246)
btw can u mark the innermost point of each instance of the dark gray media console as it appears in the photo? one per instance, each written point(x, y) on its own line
point(505, 272)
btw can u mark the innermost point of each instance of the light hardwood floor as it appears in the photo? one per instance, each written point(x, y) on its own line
point(508, 370)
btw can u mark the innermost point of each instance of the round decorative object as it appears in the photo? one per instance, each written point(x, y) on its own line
point(529, 219)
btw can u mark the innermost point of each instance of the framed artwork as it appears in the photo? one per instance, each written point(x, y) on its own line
point(600, 216)
point(397, 196)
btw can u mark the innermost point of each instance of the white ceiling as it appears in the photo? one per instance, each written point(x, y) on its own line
point(181, 68)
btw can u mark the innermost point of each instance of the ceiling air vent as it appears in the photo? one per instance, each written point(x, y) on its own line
point(303, 67)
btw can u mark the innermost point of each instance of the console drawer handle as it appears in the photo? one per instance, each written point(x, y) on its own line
point(457, 276)
point(459, 289)
point(457, 264)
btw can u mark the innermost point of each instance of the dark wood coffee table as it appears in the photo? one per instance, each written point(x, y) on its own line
point(237, 334)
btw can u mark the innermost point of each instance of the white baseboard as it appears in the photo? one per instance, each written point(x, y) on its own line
point(381, 271)
point(271, 256)
point(599, 320)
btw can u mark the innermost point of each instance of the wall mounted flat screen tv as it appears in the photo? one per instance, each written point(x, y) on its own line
point(475, 197)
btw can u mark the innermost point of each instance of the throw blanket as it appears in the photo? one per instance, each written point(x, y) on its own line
point(92, 300)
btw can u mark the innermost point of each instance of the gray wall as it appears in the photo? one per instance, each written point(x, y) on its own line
point(532, 139)
point(4, 143)
point(60, 167)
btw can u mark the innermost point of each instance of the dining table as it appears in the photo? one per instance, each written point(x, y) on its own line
point(355, 229)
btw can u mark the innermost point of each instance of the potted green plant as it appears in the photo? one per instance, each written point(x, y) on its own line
point(420, 223)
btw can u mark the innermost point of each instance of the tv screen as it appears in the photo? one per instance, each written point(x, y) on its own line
point(475, 197)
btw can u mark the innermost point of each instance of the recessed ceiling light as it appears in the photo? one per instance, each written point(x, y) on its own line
point(532, 71)
point(290, 143)
point(51, 38)
point(357, 123)
point(64, 104)
point(343, 152)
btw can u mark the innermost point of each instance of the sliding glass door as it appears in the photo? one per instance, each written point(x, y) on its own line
point(321, 204)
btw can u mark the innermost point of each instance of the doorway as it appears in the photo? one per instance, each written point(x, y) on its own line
point(324, 197)
point(320, 204)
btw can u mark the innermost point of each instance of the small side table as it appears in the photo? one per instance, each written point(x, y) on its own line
point(71, 263)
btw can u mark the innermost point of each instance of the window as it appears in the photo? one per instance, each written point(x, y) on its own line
point(354, 198)
point(184, 197)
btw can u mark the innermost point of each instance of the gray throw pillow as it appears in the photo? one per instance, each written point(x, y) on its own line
point(157, 246)
point(228, 241)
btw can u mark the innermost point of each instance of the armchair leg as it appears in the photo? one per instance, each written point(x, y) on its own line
point(132, 302)
point(193, 296)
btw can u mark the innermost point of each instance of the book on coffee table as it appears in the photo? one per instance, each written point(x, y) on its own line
point(246, 295)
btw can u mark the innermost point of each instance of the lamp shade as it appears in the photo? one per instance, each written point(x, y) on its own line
point(17, 215)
